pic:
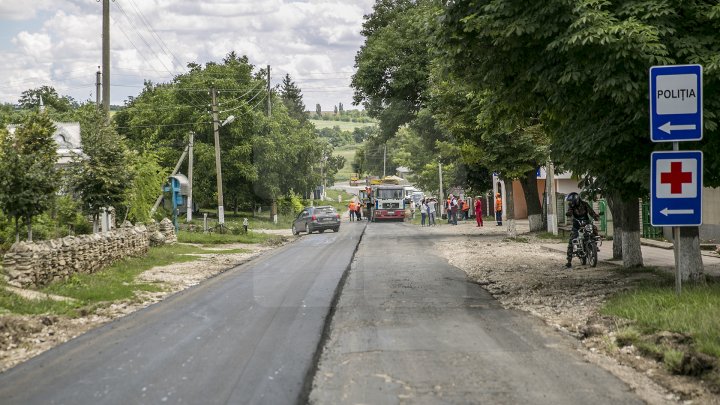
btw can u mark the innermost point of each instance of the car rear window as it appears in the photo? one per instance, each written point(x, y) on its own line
point(326, 210)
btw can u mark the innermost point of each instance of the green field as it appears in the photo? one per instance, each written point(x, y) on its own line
point(348, 152)
point(344, 125)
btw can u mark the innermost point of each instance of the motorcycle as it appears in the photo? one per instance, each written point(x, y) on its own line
point(585, 246)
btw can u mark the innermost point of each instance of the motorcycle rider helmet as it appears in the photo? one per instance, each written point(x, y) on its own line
point(573, 199)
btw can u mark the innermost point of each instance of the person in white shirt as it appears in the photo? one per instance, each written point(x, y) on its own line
point(431, 203)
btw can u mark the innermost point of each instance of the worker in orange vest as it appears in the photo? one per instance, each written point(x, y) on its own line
point(498, 209)
point(352, 209)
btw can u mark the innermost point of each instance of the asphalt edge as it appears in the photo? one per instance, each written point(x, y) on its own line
point(304, 396)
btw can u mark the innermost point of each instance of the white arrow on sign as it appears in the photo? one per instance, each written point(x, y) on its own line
point(668, 211)
point(668, 127)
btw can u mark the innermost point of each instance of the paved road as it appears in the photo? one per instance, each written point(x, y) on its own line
point(409, 328)
point(249, 335)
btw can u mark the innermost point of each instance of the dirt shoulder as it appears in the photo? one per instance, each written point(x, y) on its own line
point(523, 275)
point(25, 336)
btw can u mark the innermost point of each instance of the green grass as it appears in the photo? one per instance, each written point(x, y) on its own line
point(655, 307)
point(344, 125)
point(113, 283)
point(348, 152)
point(219, 238)
point(550, 236)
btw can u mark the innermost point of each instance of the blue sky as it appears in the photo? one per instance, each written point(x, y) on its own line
point(58, 43)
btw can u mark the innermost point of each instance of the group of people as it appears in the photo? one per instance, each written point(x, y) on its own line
point(459, 208)
point(355, 210)
point(427, 211)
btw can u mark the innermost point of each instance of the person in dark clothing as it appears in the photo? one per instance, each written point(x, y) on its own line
point(579, 210)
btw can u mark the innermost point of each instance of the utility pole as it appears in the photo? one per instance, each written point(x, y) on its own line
point(98, 88)
point(442, 196)
point(106, 58)
point(384, 157)
point(190, 176)
point(218, 168)
point(269, 99)
point(550, 193)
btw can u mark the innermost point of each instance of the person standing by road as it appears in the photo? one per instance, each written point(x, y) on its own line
point(358, 210)
point(423, 213)
point(431, 203)
point(465, 210)
point(498, 209)
point(454, 209)
point(478, 211)
point(351, 209)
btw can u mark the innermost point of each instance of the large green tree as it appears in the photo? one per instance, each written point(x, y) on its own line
point(30, 99)
point(101, 175)
point(28, 175)
point(292, 97)
point(583, 66)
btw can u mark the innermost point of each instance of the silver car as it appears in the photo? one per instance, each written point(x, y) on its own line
point(319, 219)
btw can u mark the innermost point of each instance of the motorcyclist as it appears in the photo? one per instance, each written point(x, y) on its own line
point(579, 210)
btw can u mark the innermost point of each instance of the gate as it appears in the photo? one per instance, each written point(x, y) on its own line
point(649, 231)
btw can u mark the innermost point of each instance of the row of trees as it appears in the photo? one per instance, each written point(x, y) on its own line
point(265, 155)
point(106, 174)
point(505, 85)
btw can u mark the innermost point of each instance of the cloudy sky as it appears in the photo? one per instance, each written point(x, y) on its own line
point(58, 43)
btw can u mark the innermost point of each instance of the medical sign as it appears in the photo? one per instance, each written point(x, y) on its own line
point(676, 103)
point(676, 188)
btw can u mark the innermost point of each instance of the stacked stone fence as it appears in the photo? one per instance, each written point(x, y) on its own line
point(36, 264)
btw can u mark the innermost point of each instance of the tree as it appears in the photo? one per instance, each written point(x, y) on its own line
point(28, 176)
point(263, 158)
point(30, 99)
point(318, 110)
point(583, 66)
point(101, 175)
point(291, 96)
point(148, 178)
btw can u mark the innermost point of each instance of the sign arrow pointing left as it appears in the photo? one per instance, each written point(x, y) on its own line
point(667, 211)
point(668, 127)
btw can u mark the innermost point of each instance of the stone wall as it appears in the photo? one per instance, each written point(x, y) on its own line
point(35, 264)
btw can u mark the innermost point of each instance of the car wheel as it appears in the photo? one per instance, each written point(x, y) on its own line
point(307, 229)
point(336, 229)
point(321, 231)
point(294, 230)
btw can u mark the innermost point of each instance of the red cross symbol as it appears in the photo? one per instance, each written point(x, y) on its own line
point(676, 177)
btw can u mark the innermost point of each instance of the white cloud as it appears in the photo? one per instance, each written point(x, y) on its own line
point(315, 41)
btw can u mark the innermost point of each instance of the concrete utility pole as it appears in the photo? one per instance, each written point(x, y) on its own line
point(441, 196)
point(98, 88)
point(384, 157)
point(269, 99)
point(106, 58)
point(550, 194)
point(190, 176)
point(218, 165)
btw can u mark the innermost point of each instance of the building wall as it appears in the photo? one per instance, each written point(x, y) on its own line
point(710, 229)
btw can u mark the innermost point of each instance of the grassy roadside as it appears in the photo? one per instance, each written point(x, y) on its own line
point(218, 238)
point(682, 331)
point(91, 291)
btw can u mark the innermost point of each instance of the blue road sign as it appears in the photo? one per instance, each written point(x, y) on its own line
point(676, 188)
point(676, 112)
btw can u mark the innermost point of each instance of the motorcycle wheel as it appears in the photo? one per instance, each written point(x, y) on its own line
point(593, 254)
